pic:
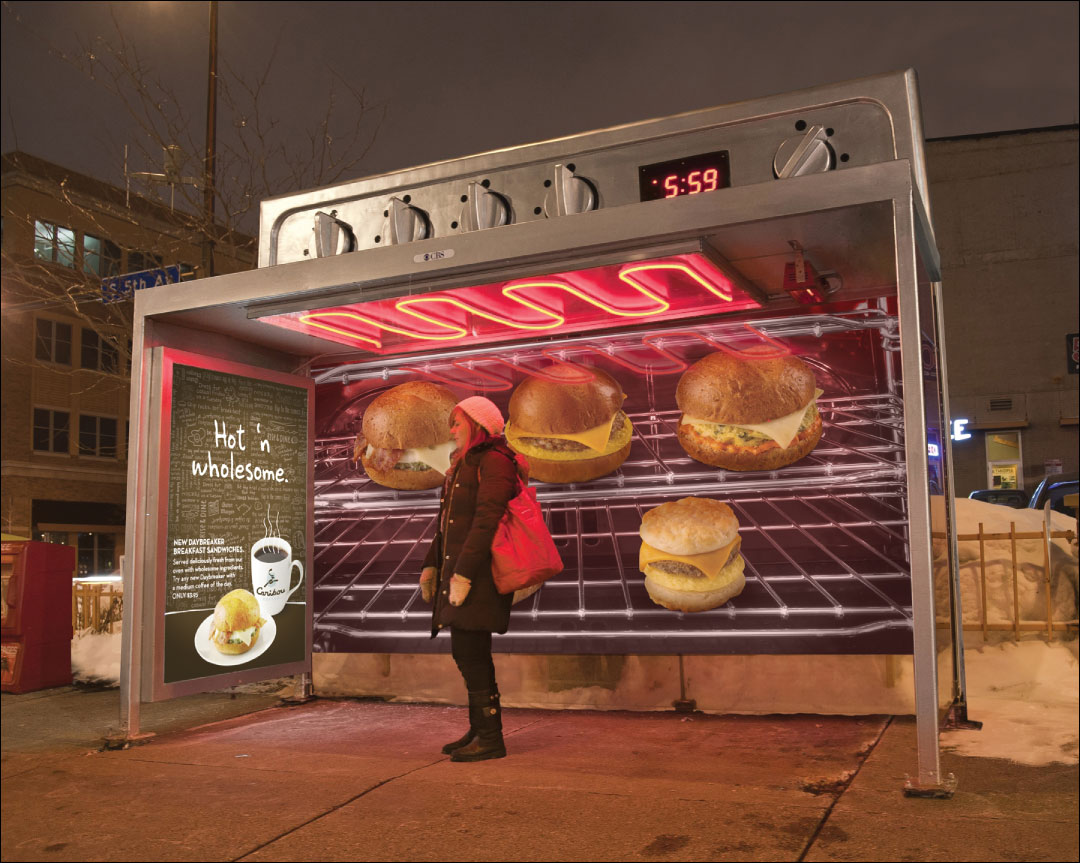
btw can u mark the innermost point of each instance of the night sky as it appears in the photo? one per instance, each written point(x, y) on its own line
point(458, 78)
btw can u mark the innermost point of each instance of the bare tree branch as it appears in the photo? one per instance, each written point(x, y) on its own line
point(259, 155)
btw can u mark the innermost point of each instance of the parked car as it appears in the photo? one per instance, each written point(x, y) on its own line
point(1054, 488)
point(1014, 497)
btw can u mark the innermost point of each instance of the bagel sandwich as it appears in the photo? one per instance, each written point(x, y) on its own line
point(741, 413)
point(570, 431)
point(404, 440)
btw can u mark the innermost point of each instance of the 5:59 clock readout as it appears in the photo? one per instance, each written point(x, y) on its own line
point(691, 175)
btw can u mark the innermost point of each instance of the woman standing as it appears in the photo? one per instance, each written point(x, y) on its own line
point(482, 480)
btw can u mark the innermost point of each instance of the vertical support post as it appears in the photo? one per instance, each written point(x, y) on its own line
point(925, 633)
point(1016, 583)
point(956, 600)
point(134, 542)
point(1046, 575)
point(982, 576)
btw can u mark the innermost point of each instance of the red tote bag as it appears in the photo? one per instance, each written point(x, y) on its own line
point(523, 554)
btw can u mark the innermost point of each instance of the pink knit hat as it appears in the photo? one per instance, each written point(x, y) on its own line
point(484, 412)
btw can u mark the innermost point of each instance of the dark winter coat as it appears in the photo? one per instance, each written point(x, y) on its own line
point(474, 499)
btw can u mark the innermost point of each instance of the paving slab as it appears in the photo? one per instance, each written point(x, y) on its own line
point(436, 820)
point(324, 738)
point(116, 806)
point(931, 837)
point(14, 763)
point(1001, 810)
point(362, 780)
point(692, 757)
point(989, 787)
point(80, 718)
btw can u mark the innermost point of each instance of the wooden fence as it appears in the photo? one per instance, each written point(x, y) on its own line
point(1017, 626)
point(96, 605)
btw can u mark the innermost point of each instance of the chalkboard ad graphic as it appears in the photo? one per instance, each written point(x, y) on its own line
point(235, 596)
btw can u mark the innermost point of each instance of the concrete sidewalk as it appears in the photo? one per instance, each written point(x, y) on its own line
point(361, 780)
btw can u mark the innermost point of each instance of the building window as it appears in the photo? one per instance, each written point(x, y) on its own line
point(100, 257)
point(51, 430)
point(97, 436)
point(54, 243)
point(55, 537)
point(97, 554)
point(139, 261)
point(97, 354)
point(53, 342)
point(1004, 460)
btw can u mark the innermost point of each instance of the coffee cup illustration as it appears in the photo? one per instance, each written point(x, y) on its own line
point(271, 572)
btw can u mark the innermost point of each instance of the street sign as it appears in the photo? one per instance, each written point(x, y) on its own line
point(119, 288)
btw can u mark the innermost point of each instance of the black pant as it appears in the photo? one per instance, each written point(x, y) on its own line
point(472, 653)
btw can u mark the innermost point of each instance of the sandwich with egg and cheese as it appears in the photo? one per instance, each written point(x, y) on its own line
point(237, 621)
point(742, 413)
point(572, 430)
point(404, 439)
point(690, 554)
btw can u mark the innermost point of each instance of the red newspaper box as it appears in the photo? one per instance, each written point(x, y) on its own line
point(36, 630)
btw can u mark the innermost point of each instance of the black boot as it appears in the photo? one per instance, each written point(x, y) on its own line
point(474, 720)
point(489, 740)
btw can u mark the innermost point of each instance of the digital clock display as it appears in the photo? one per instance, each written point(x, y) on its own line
point(691, 175)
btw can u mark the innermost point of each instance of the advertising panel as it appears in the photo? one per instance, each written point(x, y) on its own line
point(685, 522)
point(235, 593)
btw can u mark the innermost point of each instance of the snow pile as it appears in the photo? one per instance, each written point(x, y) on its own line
point(95, 657)
point(1030, 557)
point(1026, 697)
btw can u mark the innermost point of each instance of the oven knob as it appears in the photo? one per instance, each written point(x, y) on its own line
point(803, 154)
point(332, 236)
point(407, 223)
point(569, 194)
point(484, 209)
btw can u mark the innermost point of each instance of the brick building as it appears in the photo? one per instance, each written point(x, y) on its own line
point(65, 352)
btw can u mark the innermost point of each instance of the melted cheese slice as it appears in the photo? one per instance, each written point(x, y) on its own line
point(237, 636)
point(709, 562)
point(243, 636)
point(595, 438)
point(782, 430)
point(437, 457)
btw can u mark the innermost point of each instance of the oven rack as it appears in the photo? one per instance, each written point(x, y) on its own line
point(827, 571)
point(862, 442)
point(568, 349)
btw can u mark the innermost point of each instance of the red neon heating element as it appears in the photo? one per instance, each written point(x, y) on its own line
point(408, 306)
point(674, 287)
